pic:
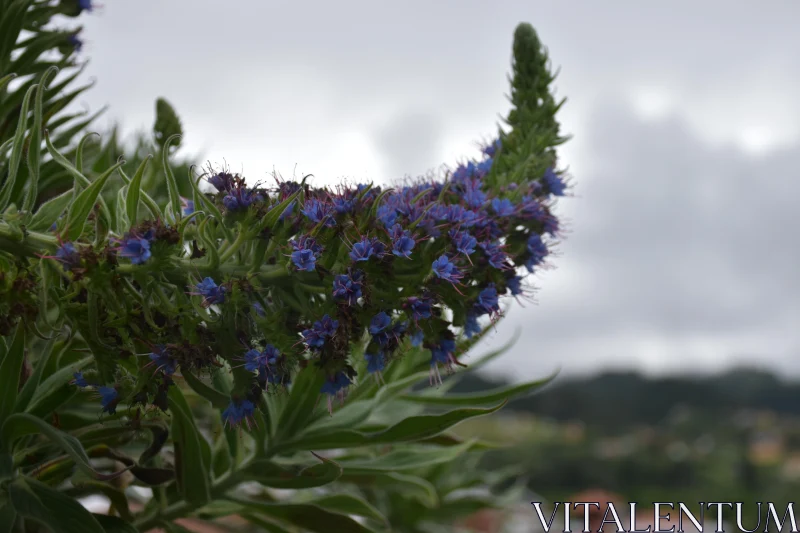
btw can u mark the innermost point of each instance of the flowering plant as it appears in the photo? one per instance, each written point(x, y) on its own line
point(176, 332)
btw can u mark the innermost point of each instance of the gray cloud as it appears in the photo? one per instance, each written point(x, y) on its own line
point(673, 240)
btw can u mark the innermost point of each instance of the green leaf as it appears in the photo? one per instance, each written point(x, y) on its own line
point(5, 80)
point(134, 190)
point(80, 179)
point(278, 476)
point(306, 516)
point(48, 212)
point(479, 398)
point(79, 211)
point(303, 398)
point(410, 429)
point(16, 151)
point(79, 153)
point(350, 505)
point(10, 369)
point(172, 184)
point(7, 517)
point(191, 468)
point(21, 424)
point(60, 513)
point(217, 399)
point(24, 396)
point(272, 216)
point(114, 524)
point(54, 390)
point(35, 143)
point(411, 486)
point(405, 459)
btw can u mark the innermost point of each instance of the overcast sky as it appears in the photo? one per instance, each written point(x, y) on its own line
point(681, 252)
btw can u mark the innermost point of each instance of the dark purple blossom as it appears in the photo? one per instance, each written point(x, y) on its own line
point(538, 251)
point(223, 181)
point(497, 257)
point(514, 285)
point(188, 206)
point(464, 242)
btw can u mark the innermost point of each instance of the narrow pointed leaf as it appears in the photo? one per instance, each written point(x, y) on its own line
point(60, 513)
point(10, 369)
point(191, 468)
point(16, 151)
point(134, 191)
point(79, 211)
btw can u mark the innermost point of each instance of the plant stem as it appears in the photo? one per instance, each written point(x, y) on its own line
point(233, 248)
point(184, 508)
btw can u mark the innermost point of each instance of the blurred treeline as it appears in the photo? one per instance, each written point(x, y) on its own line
point(729, 437)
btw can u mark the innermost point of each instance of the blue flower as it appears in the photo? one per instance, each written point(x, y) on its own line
point(375, 362)
point(259, 309)
point(514, 285)
point(136, 249)
point(304, 260)
point(315, 336)
point(238, 412)
point(79, 380)
point(254, 360)
point(346, 288)
point(223, 181)
point(503, 207)
point(471, 326)
point(420, 307)
point(416, 338)
point(68, 255)
point(327, 326)
point(554, 182)
point(444, 354)
point(487, 301)
point(491, 149)
point(109, 399)
point(335, 386)
point(318, 211)
point(188, 206)
point(473, 194)
point(306, 252)
point(484, 167)
point(446, 270)
point(497, 257)
point(379, 323)
point(464, 242)
point(162, 361)
point(85, 5)
point(362, 250)
point(387, 215)
point(402, 242)
point(75, 42)
point(211, 293)
point(343, 205)
point(240, 198)
point(538, 250)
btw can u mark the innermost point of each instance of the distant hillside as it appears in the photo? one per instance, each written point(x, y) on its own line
point(621, 399)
